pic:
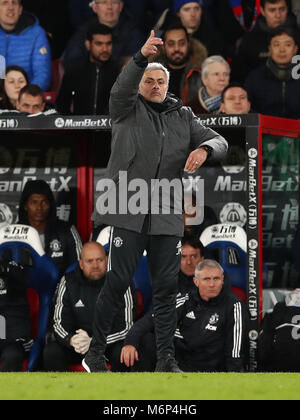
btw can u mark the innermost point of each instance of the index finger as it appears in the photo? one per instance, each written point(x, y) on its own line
point(154, 38)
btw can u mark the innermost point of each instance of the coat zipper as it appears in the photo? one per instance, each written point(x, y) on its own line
point(158, 167)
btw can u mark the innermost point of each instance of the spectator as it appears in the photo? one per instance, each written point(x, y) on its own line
point(31, 101)
point(73, 316)
point(127, 37)
point(23, 42)
point(215, 77)
point(192, 252)
point(212, 325)
point(254, 49)
point(15, 79)
point(53, 17)
point(271, 88)
point(235, 18)
point(235, 100)
point(15, 329)
point(183, 57)
point(37, 208)
point(89, 95)
point(147, 12)
point(191, 16)
point(79, 11)
point(278, 342)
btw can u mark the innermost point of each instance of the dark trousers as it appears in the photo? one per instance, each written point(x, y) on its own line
point(57, 358)
point(163, 256)
point(12, 357)
point(147, 354)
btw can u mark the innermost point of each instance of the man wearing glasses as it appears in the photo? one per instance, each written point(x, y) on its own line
point(127, 37)
point(23, 42)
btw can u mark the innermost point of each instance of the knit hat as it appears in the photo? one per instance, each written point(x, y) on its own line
point(179, 3)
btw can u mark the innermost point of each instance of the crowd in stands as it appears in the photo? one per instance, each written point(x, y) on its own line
point(224, 56)
point(75, 55)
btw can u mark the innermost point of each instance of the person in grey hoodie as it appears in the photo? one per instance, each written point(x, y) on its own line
point(153, 138)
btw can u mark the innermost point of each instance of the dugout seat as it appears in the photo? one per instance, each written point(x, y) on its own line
point(227, 244)
point(23, 243)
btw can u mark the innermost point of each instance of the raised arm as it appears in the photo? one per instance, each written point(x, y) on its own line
point(124, 92)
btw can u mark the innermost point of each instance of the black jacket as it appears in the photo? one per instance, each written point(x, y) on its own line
point(149, 145)
point(210, 336)
point(63, 244)
point(14, 307)
point(279, 339)
point(62, 240)
point(127, 39)
point(254, 49)
point(270, 96)
point(87, 86)
point(75, 305)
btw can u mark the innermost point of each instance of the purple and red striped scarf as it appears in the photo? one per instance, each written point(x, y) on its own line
point(237, 9)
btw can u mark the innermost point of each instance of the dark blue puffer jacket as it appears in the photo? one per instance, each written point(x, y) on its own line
point(27, 46)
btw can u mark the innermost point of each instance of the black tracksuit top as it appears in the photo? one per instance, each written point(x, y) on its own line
point(210, 336)
point(75, 305)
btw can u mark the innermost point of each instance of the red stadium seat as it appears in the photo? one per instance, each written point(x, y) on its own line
point(50, 96)
point(57, 75)
point(240, 293)
point(34, 303)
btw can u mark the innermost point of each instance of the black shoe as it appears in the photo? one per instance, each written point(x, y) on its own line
point(167, 364)
point(92, 363)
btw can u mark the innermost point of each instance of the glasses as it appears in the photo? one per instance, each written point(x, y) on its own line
point(106, 2)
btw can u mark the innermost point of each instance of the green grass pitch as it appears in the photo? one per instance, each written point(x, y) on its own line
point(149, 386)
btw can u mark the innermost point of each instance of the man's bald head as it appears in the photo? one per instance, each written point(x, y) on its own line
point(93, 261)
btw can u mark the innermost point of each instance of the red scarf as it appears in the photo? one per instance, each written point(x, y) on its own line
point(237, 9)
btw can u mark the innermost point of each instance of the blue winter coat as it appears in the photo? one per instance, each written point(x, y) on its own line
point(27, 46)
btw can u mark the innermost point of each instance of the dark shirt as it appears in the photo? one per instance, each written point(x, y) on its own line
point(86, 87)
point(175, 80)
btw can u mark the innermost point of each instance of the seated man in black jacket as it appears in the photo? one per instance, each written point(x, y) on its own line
point(127, 35)
point(74, 312)
point(15, 329)
point(254, 47)
point(87, 83)
point(272, 88)
point(61, 240)
point(211, 327)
